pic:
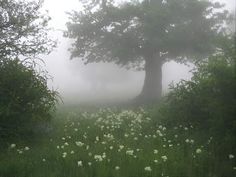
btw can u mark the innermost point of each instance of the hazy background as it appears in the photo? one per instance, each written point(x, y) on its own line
point(77, 82)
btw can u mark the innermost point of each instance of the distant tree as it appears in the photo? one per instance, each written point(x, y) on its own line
point(23, 29)
point(146, 34)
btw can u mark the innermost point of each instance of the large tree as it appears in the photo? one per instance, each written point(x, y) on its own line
point(23, 29)
point(146, 34)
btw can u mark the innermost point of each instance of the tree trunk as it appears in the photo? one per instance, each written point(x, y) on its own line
point(152, 88)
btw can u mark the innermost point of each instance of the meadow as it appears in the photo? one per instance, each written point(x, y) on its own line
point(115, 143)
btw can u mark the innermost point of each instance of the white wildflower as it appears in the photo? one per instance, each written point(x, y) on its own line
point(117, 168)
point(148, 168)
point(187, 140)
point(12, 145)
point(164, 158)
point(80, 164)
point(98, 158)
point(64, 154)
point(121, 147)
point(78, 143)
point(191, 141)
point(130, 152)
point(231, 156)
point(27, 148)
point(198, 151)
point(155, 151)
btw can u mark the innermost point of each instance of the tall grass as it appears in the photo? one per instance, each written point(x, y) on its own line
point(115, 143)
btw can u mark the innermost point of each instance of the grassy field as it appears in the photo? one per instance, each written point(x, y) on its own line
point(115, 143)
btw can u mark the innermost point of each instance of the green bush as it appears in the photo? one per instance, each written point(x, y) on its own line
point(208, 101)
point(25, 100)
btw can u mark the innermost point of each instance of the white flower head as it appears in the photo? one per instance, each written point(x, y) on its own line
point(98, 158)
point(155, 151)
point(64, 154)
point(198, 151)
point(191, 141)
point(78, 143)
point(231, 156)
point(148, 168)
point(12, 145)
point(79, 163)
point(164, 158)
point(27, 148)
point(130, 152)
point(117, 168)
point(20, 151)
point(121, 147)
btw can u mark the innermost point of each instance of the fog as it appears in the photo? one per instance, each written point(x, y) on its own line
point(78, 83)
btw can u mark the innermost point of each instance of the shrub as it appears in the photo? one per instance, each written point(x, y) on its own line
point(25, 100)
point(208, 100)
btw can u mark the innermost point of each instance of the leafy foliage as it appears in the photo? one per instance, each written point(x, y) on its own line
point(25, 99)
point(23, 29)
point(131, 32)
point(145, 34)
point(208, 100)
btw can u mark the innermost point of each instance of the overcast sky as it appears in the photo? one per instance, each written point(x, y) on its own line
point(76, 81)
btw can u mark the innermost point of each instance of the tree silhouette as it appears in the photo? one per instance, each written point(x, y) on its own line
point(146, 34)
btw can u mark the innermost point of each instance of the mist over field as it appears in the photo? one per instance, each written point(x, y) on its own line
point(71, 110)
point(78, 83)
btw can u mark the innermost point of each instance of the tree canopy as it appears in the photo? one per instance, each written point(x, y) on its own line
point(128, 32)
point(23, 29)
point(145, 34)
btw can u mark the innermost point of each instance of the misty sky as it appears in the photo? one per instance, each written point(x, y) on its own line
point(78, 82)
